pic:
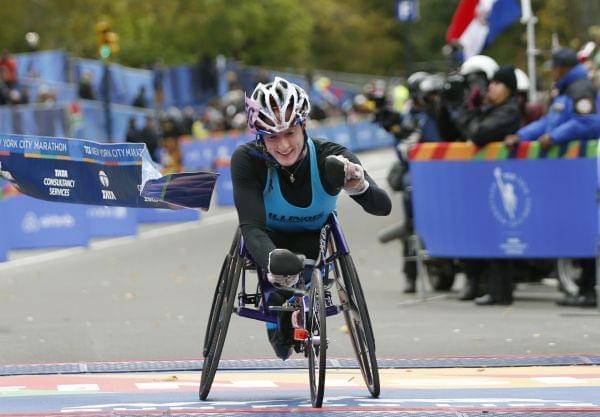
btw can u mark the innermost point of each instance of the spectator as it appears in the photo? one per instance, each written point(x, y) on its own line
point(46, 95)
point(208, 75)
point(14, 97)
point(140, 98)
point(497, 117)
point(530, 112)
point(199, 130)
point(24, 95)
point(187, 120)
point(132, 135)
point(149, 135)
point(8, 69)
point(573, 114)
point(157, 81)
point(85, 88)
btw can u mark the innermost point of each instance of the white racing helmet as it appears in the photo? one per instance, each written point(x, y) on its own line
point(276, 106)
point(480, 63)
point(522, 81)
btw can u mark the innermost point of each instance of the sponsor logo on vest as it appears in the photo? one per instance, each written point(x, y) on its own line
point(295, 219)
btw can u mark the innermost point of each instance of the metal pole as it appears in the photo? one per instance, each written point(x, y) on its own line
point(407, 48)
point(106, 102)
point(530, 20)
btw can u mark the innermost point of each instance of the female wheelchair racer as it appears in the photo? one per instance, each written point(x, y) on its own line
point(285, 187)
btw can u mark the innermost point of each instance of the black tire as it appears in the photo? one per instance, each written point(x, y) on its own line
point(359, 324)
point(219, 320)
point(219, 291)
point(441, 281)
point(569, 275)
point(317, 353)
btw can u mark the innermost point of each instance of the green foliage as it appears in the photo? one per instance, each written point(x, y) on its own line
point(344, 35)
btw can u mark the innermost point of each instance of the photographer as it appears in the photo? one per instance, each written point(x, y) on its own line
point(418, 124)
point(498, 116)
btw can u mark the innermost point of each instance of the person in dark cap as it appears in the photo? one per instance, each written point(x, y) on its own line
point(573, 114)
point(498, 117)
point(500, 114)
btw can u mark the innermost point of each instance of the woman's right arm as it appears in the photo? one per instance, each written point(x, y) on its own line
point(248, 199)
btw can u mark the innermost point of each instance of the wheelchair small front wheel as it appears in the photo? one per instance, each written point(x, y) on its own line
point(316, 343)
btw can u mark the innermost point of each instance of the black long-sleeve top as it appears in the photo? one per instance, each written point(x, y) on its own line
point(249, 169)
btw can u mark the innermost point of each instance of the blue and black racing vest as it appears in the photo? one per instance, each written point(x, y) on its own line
point(285, 217)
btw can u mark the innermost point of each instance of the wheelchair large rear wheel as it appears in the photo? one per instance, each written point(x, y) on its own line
point(359, 323)
point(316, 344)
point(219, 293)
point(220, 316)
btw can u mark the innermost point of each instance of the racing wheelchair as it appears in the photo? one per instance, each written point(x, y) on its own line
point(313, 296)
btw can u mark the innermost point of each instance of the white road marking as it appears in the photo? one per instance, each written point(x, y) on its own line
point(447, 382)
point(552, 380)
point(13, 388)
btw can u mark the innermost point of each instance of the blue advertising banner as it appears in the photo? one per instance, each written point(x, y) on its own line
point(150, 215)
point(84, 172)
point(32, 223)
point(224, 187)
point(196, 154)
point(3, 234)
point(111, 221)
point(542, 208)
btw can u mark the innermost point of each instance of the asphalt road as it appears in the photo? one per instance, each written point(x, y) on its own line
point(148, 298)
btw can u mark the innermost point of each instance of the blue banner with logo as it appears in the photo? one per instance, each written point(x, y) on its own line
point(32, 223)
point(111, 221)
point(543, 208)
point(224, 187)
point(149, 215)
point(3, 234)
point(84, 172)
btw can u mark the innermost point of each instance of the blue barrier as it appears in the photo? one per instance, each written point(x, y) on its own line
point(3, 234)
point(521, 208)
point(224, 187)
point(196, 154)
point(111, 221)
point(65, 92)
point(36, 119)
point(94, 127)
point(45, 65)
point(32, 223)
point(145, 215)
point(127, 83)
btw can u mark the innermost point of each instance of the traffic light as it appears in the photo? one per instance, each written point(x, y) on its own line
point(108, 42)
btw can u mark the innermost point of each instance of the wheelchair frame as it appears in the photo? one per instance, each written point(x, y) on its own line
point(312, 296)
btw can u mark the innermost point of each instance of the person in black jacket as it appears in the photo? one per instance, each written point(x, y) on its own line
point(498, 117)
point(500, 114)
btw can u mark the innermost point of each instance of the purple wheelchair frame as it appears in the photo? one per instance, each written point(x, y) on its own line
point(331, 230)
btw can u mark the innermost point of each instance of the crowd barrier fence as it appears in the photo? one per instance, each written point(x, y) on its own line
point(501, 203)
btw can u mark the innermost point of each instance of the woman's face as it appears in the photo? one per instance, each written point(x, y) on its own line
point(286, 146)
